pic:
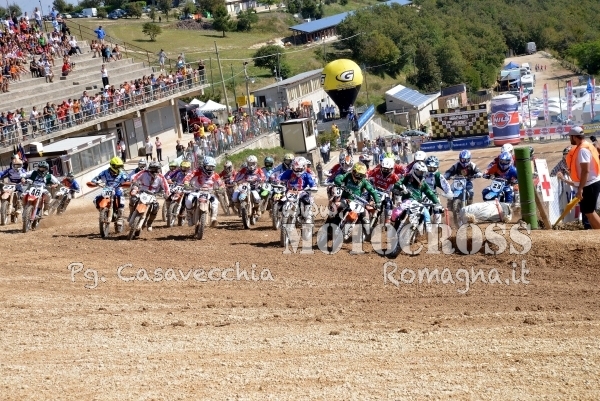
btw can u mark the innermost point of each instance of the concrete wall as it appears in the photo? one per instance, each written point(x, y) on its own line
point(263, 142)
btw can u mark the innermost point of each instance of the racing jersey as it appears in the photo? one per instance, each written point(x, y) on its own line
point(201, 180)
point(111, 180)
point(245, 175)
point(416, 191)
point(458, 169)
point(380, 182)
point(14, 175)
point(356, 188)
point(298, 183)
point(177, 176)
point(146, 182)
point(509, 175)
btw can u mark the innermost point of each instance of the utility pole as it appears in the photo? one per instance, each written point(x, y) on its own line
point(559, 98)
point(212, 86)
point(222, 79)
point(366, 84)
point(234, 95)
point(247, 89)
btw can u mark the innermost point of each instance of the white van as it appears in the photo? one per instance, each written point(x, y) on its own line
point(526, 66)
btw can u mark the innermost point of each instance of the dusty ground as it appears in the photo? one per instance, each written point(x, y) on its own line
point(325, 327)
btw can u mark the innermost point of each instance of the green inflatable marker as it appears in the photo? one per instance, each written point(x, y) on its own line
point(526, 189)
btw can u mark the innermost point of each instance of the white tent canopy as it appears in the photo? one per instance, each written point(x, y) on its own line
point(212, 106)
point(198, 102)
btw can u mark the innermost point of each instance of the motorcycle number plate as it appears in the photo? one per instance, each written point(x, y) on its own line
point(267, 187)
point(9, 188)
point(244, 188)
point(292, 197)
point(178, 188)
point(337, 192)
point(35, 192)
point(457, 185)
point(356, 207)
point(414, 219)
point(497, 186)
point(203, 195)
point(63, 191)
point(144, 198)
point(107, 192)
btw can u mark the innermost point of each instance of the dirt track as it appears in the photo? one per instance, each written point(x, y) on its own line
point(326, 326)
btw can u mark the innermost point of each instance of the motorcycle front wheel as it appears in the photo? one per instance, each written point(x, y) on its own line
point(3, 212)
point(27, 210)
point(135, 222)
point(104, 223)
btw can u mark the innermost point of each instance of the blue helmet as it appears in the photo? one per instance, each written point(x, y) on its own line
point(465, 158)
point(505, 161)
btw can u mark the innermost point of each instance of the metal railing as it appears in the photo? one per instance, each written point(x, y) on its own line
point(97, 109)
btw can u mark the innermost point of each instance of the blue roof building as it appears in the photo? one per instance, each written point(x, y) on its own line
point(325, 27)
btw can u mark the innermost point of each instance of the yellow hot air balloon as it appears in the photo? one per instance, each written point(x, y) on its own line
point(341, 79)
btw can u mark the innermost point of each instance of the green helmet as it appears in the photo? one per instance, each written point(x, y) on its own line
point(173, 164)
point(43, 165)
point(269, 161)
point(388, 155)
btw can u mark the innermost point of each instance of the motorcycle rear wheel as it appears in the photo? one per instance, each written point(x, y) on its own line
point(172, 214)
point(245, 218)
point(457, 205)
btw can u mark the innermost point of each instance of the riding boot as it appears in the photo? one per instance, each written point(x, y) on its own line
point(150, 221)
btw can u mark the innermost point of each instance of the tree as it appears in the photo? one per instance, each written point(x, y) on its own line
point(222, 20)
point(343, 2)
point(152, 14)
point(102, 13)
point(114, 4)
point(90, 3)
point(14, 9)
point(210, 5)
point(60, 5)
point(310, 9)
point(134, 9)
point(189, 8)
point(428, 77)
point(268, 3)
point(378, 49)
point(152, 30)
point(451, 62)
point(165, 7)
point(267, 57)
point(245, 19)
point(587, 55)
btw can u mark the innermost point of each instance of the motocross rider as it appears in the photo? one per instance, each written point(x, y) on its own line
point(420, 156)
point(173, 171)
point(343, 167)
point(504, 169)
point(42, 175)
point(299, 179)
point(268, 168)
point(366, 158)
point(414, 187)
point(356, 183)
point(466, 168)
point(436, 180)
point(71, 183)
point(383, 179)
point(228, 173)
point(253, 175)
point(14, 175)
point(205, 179)
point(113, 177)
point(176, 176)
point(283, 167)
point(399, 168)
point(142, 165)
point(507, 147)
point(151, 181)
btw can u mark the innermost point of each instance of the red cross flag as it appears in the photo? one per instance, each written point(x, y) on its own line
point(544, 177)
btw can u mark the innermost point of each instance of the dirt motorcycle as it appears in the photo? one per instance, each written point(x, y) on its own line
point(230, 187)
point(201, 207)
point(108, 208)
point(174, 205)
point(459, 190)
point(295, 214)
point(409, 224)
point(344, 214)
point(382, 214)
point(9, 198)
point(143, 202)
point(59, 201)
point(497, 191)
point(223, 198)
point(278, 192)
point(33, 203)
point(248, 205)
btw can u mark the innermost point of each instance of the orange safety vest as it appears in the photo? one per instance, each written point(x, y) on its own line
point(573, 155)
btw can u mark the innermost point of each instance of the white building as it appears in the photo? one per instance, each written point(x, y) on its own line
point(409, 107)
point(300, 91)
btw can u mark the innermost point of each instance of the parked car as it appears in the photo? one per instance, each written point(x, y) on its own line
point(78, 15)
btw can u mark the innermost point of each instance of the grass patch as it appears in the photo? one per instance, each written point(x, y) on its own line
point(239, 158)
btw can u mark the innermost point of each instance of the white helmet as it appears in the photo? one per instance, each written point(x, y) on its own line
point(228, 165)
point(507, 147)
point(299, 166)
point(420, 156)
point(209, 165)
point(387, 166)
point(251, 163)
point(418, 171)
